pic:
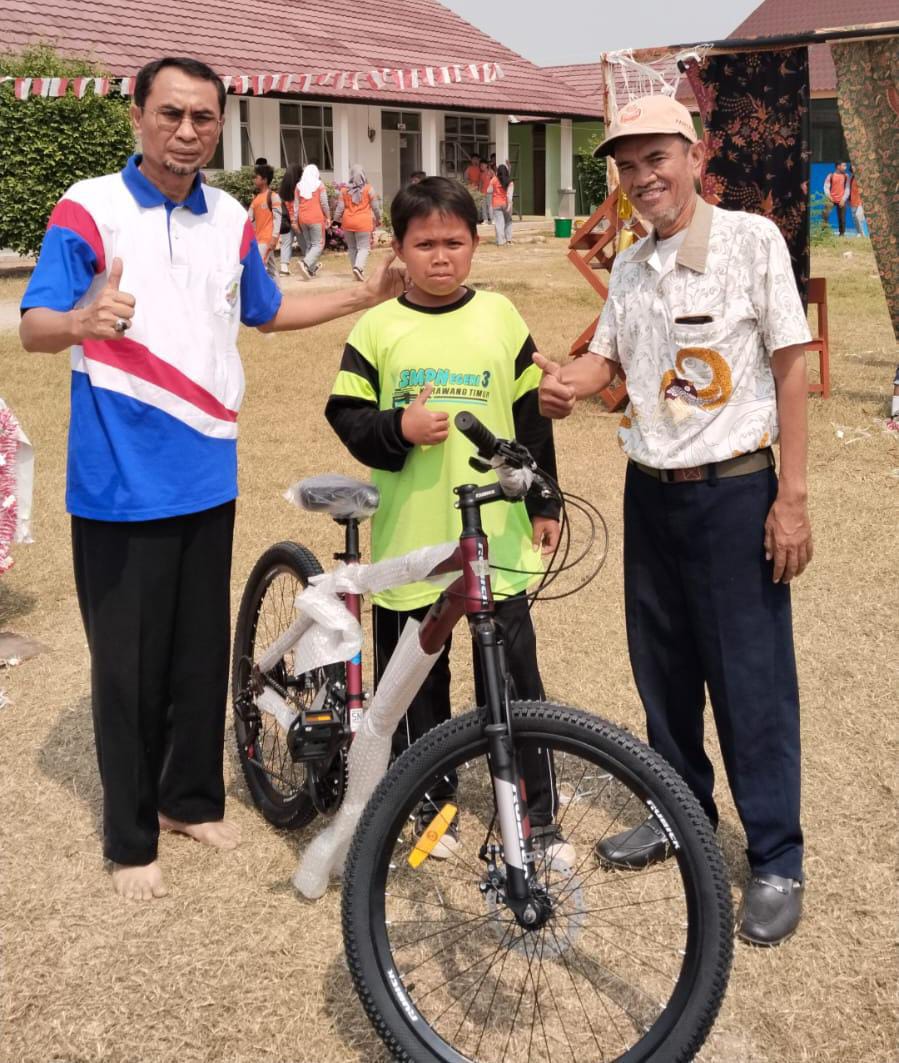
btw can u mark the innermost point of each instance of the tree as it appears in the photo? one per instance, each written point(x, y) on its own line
point(48, 144)
point(591, 174)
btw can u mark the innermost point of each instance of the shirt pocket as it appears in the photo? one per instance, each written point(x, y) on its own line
point(699, 377)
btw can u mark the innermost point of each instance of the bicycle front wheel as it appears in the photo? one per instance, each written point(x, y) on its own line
point(278, 785)
point(623, 965)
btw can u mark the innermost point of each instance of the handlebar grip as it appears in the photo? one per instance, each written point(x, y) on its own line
point(486, 442)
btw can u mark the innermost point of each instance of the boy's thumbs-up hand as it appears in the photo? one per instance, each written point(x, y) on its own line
point(421, 426)
point(555, 397)
point(110, 314)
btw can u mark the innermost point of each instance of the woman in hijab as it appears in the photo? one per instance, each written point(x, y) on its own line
point(313, 215)
point(359, 213)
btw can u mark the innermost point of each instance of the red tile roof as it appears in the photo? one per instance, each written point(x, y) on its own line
point(296, 36)
point(772, 18)
point(776, 18)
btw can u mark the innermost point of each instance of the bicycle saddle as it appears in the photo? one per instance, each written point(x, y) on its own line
point(340, 496)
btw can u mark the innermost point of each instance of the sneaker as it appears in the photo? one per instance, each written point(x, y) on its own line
point(306, 271)
point(358, 274)
point(552, 849)
point(285, 271)
point(449, 842)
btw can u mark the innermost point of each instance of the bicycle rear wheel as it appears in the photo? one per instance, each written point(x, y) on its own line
point(278, 786)
point(628, 965)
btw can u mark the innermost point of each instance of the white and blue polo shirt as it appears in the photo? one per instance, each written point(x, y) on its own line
point(153, 430)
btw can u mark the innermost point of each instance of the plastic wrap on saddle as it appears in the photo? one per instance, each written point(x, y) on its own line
point(340, 496)
point(336, 635)
point(369, 755)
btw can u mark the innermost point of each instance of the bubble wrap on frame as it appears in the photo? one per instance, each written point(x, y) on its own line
point(369, 756)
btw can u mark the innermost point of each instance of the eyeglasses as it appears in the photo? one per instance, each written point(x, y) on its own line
point(170, 120)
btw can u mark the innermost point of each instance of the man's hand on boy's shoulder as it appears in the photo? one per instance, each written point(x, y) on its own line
point(545, 535)
point(421, 426)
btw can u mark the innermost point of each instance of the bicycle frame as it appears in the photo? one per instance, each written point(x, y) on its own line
point(471, 595)
point(355, 695)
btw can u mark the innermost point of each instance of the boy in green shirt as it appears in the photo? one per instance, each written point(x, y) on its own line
point(408, 365)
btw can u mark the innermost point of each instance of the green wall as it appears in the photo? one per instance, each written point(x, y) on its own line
point(522, 136)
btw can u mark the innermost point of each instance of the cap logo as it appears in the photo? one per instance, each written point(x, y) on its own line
point(630, 113)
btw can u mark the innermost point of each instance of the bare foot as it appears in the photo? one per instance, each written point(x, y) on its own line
point(138, 883)
point(220, 834)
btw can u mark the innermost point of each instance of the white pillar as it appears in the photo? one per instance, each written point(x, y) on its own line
point(231, 134)
point(566, 175)
point(431, 135)
point(342, 160)
point(501, 137)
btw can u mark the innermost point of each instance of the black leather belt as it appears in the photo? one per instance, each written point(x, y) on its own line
point(741, 466)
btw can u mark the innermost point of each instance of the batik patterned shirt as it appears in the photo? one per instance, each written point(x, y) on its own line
point(696, 340)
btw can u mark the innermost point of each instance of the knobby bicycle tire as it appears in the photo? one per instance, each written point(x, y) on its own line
point(276, 785)
point(670, 924)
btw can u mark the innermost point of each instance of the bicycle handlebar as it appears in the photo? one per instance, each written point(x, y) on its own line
point(479, 434)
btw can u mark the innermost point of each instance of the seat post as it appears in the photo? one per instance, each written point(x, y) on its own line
point(351, 540)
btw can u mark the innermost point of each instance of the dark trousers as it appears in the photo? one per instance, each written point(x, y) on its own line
point(155, 598)
point(841, 217)
point(431, 705)
point(702, 611)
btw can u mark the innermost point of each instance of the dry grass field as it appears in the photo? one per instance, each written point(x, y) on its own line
point(232, 967)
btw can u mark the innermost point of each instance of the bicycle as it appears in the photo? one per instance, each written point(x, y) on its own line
point(510, 949)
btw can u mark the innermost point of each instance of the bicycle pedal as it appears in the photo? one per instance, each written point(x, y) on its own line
point(316, 734)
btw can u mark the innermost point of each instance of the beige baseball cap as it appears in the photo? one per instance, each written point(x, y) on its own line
point(649, 114)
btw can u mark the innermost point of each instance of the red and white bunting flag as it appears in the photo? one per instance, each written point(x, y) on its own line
point(429, 75)
point(475, 72)
point(445, 78)
point(22, 88)
point(375, 79)
point(305, 83)
point(78, 86)
point(101, 86)
point(127, 86)
point(226, 81)
point(37, 86)
point(327, 78)
point(413, 74)
point(258, 83)
point(343, 80)
point(287, 81)
point(242, 83)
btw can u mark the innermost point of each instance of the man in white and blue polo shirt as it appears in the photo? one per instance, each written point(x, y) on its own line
point(147, 274)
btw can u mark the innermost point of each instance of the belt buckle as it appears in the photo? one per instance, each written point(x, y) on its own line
point(693, 474)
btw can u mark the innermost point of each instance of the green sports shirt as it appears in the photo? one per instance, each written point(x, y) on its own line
point(477, 354)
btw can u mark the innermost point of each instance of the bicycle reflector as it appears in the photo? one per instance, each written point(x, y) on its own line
point(434, 831)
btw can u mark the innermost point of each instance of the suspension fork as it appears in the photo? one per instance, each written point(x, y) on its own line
point(505, 768)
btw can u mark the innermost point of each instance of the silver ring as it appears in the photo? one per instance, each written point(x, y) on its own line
point(120, 325)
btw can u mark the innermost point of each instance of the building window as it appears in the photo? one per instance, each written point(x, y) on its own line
point(307, 135)
point(827, 141)
point(463, 136)
point(247, 155)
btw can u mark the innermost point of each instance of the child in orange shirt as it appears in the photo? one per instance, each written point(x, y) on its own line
point(265, 217)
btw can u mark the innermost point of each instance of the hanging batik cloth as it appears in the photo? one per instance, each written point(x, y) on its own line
point(754, 106)
point(868, 98)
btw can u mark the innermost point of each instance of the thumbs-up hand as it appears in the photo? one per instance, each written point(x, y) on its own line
point(109, 316)
point(555, 397)
point(422, 426)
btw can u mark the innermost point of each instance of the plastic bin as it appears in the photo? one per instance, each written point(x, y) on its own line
point(563, 227)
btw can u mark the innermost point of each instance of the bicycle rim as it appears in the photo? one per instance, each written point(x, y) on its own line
point(630, 965)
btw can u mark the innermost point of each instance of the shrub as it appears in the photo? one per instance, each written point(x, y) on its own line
point(591, 176)
point(820, 232)
point(48, 144)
